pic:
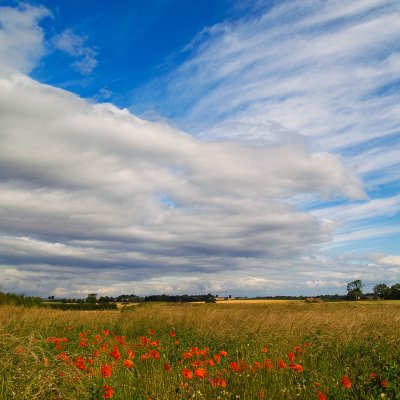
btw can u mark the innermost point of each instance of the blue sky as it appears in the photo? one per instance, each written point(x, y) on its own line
point(231, 147)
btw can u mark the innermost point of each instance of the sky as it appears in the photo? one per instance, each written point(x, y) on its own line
point(233, 147)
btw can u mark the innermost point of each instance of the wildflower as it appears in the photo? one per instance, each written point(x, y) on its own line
point(322, 396)
point(152, 331)
point(128, 363)
point(105, 332)
point(298, 349)
point(45, 361)
point(20, 350)
point(223, 353)
point(120, 340)
point(268, 364)
point(346, 382)
point(172, 334)
point(62, 356)
point(257, 365)
point(155, 354)
point(79, 363)
point(167, 367)
point(291, 356)
point(106, 370)
point(115, 353)
point(385, 384)
point(218, 382)
point(187, 373)
point(200, 372)
point(103, 348)
point(131, 354)
point(281, 363)
point(234, 365)
point(145, 356)
point(373, 375)
point(296, 367)
point(108, 392)
point(95, 353)
point(264, 350)
point(210, 362)
point(217, 358)
point(261, 395)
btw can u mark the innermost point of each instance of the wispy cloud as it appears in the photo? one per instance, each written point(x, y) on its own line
point(74, 45)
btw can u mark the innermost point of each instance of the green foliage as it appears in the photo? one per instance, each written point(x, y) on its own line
point(354, 290)
point(382, 291)
point(83, 306)
point(19, 300)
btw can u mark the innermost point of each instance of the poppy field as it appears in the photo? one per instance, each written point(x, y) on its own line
point(202, 351)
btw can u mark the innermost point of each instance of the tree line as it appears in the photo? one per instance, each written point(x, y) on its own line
point(381, 291)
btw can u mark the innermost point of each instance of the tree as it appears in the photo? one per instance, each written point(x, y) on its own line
point(92, 298)
point(382, 291)
point(395, 291)
point(354, 291)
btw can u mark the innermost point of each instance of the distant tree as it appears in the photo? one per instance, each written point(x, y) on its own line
point(395, 291)
point(382, 291)
point(92, 298)
point(354, 290)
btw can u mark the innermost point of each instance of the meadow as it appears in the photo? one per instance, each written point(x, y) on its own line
point(261, 350)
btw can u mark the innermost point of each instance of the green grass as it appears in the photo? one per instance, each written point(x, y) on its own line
point(333, 340)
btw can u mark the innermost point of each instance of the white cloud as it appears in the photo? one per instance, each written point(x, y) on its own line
point(21, 38)
point(74, 45)
point(83, 186)
point(91, 190)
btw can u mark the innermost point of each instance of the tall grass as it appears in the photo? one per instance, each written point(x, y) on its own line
point(329, 341)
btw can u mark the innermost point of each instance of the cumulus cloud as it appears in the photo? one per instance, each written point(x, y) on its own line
point(91, 186)
point(21, 38)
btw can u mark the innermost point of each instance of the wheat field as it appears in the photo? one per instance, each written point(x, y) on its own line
point(344, 350)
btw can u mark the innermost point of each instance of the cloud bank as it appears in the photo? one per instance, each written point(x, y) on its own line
point(93, 198)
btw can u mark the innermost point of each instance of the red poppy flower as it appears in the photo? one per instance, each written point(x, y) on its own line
point(268, 364)
point(322, 396)
point(200, 372)
point(234, 365)
point(257, 365)
point(155, 354)
point(223, 353)
point(218, 382)
point(152, 331)
point(79, 363)
point(346, 382)
point(106, 370)
point(115, 353)
point(131, 354)
point(172, 334)
point(108, 392)
point(385, 383)
point(217, 358)
point(187, 373)
point(167, 367)
point(281, 363)
point(296, 367)
point(264, 350)
point(291, 356)
point(128, 363)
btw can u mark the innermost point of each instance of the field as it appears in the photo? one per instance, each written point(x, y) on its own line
point(242, 350)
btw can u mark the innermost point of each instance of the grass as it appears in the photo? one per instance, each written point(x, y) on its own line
point(328, 341)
